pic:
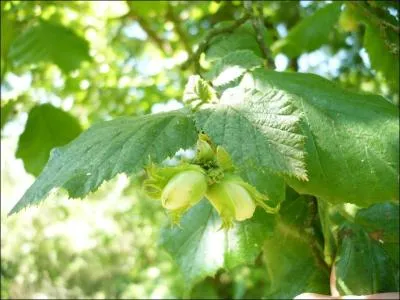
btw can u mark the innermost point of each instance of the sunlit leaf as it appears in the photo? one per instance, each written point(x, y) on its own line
point(108, 148)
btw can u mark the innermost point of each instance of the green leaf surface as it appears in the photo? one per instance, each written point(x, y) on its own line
point(50, 42)
point(381, 222)
point(7, 111)
point(232, 66)
point(362, 265)
point(293, 261)
point(382, 46)
point(352, 139)
point(47, 127)
point(267, 183)
point(311, 33)
point(200, 248)
point(228, 43)
point(258, 129)
point(108, 148)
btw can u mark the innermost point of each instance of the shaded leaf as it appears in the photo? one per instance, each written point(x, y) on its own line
point(47, 127)
point(50, 42)
point(381, 222)
point(382, 46)
point(7, 111)
point(266, 182)
point(311, 33)
point(362, 265)
point(108, 148)
point(292, 260)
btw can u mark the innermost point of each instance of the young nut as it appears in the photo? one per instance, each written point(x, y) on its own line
point(231, 200)
point(184, 190)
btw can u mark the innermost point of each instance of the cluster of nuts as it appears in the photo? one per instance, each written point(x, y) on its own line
point(212, 175)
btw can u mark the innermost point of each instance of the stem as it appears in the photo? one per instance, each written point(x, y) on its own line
point(258, 26)
point(211, 34)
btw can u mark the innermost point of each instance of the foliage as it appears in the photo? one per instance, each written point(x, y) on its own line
point(323, 151)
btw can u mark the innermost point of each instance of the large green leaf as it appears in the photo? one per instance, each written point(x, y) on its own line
point(47, 127)
point(259, 130)
point(200, 248)
point(352, 139)
point(311, 33)
point(293, 260)
point(50, 42)
point(108, 148)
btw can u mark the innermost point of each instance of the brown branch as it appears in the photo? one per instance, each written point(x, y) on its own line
point(211, 34)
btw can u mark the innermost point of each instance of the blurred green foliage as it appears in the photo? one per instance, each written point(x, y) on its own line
point(99, 60)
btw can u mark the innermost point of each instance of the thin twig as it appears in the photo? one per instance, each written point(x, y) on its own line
point(161, 44)
point(211, 34)
point(177, 26)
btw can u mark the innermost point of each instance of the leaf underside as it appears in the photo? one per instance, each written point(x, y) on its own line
point(200, 248)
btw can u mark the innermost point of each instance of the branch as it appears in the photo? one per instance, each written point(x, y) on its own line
point(184, 38)
point(258, 25)
point(211, 34)
point(162, 44)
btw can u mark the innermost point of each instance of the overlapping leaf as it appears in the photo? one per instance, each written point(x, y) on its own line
point(232, 66)
point(108, 148)
point(363, 266)
point(381, 40)
point(289, 254)
point(352, 139)
point(47, 127)
point(242, 39)
point(383, 49)
point(259, 130)
point(200, 248)
point(50, 42)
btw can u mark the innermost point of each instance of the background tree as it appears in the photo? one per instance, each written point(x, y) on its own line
point(67, 66)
